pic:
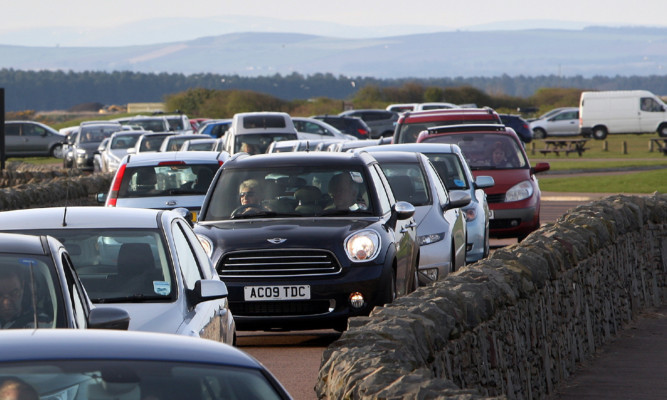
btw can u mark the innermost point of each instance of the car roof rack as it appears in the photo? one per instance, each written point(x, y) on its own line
point(467, 128)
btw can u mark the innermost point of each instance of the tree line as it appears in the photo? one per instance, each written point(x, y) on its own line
point(61, 90)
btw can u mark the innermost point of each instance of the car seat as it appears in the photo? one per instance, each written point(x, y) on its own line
point(402, 187)
point(136, 268)
point(309, 200)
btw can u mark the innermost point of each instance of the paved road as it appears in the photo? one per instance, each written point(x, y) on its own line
point(294, 357)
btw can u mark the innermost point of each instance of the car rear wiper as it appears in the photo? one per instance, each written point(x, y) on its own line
point(136, 298)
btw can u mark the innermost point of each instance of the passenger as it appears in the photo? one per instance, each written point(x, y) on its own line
point(248, 148)
point(499, 156)
point(12, 313)
point(343, 191)
point(16, 389)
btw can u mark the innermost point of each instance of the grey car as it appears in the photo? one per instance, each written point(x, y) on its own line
point(112, 150)
point(83, 145)
point(30, 138)
point(455, 173)
point(147, 262)
point(381, 122)
point(564, 122)
point(441, 226)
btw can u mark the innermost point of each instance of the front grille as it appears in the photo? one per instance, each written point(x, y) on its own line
point(504, 223)
point(495, 198)
point(274, 308)
point(278, 263)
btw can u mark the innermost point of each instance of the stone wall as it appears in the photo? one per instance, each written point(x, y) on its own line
point(516, 324)
point(31, 186)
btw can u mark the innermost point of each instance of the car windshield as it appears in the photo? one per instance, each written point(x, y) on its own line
point(30, 298)
point(289, 192)
point(95, 134)
point(485, 150)
point(450, 168)
point(132, 379)
point(408, 182)
point(151, 124)
point(119, 265)
point(123, 142)
point(258, 143)
point(167, 180)
point(151, 142)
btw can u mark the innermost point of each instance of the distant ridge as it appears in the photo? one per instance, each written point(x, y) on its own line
point(591, 51)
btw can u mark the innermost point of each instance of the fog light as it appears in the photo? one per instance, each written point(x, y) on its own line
point(357, 300)
point(431, 273)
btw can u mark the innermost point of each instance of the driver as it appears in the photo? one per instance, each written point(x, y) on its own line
point(249, 197)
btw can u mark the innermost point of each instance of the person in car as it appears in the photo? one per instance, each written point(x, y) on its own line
point(250, 198)
point(248, 148)
point(12, 313)
point(343, 192)
point(499, 156)
point(13, 388)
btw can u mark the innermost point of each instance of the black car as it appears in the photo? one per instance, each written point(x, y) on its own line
point(84, 143)
point(520, 126)
point(321, 240)
point(354, 126)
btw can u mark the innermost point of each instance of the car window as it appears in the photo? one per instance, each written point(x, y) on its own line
point(381, 184)
point(204, 262)
point(33, 130)
point(124, 141)
point(478, 149)
point(259, 142)
point(408, 182)
point(79, 307)
point(12, 129)
point(167, 180)
point(186, 258)
point(450, 170)
point(289, 191)
point(441, 192)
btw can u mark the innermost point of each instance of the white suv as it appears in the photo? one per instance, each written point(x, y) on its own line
point(253, 132)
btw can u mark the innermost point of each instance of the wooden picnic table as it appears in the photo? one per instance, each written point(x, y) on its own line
point(566, 146)
point(661, 143)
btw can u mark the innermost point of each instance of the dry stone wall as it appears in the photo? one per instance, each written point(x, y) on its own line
point(516, 324)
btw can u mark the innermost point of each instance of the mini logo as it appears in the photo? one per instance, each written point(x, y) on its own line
point(276, 240)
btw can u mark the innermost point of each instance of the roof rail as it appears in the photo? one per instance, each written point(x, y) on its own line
point(467, 128)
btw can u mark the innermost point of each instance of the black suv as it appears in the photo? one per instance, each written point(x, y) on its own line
point(351, 125)
point(299, 256)
point(381, 122)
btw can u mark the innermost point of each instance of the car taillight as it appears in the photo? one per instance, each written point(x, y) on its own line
point(362, 132)
point(115, 186)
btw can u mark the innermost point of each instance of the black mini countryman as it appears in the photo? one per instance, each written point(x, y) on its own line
point(307, 240)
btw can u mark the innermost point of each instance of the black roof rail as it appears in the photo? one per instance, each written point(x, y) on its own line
point(467, 128)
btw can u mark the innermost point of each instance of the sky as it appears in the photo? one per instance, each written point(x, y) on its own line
point(447, 14)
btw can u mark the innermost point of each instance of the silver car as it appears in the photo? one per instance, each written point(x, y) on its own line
point(455, 173)
point(112, 150)
point(30, 138)
point(564, 122)
point(441, 226)
point(164, 180)
point(147, 262)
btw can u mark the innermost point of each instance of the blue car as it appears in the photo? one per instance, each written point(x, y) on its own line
point(98, 364)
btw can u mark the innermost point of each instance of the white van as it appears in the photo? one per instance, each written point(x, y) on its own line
point(253, 132)
point(621, 111)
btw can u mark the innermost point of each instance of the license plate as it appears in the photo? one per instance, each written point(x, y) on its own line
point(490, 214)
point(283, 292)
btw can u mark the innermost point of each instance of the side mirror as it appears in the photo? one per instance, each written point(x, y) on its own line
point(403, 210)
point(458, 199)
point(101, 198)
point(484, 181)
point(108, 318)
point(540, 167)
point(208, 289)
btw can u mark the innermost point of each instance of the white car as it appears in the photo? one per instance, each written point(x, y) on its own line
point(164, 180)
point(146, 262)
point(315, 129)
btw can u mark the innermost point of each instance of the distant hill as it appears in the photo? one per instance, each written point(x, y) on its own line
point(587, 52)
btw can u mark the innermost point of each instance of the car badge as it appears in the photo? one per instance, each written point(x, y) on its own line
point(171, 203)
point(276, 240)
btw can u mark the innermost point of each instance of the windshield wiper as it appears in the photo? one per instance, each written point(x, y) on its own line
point(135, 298)
point(254, 215)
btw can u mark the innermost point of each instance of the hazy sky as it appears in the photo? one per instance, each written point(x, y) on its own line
point(444, 13)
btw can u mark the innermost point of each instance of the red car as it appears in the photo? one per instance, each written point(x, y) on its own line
point(496, 151)
point(410, 124)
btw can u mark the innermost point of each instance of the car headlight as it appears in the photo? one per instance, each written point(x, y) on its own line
point(432, 238)
point(362, 246)
point(206, 244)
point(80, 152)
point(520, 191)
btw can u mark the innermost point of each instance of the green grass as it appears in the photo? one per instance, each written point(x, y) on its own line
point(636, 146)
point(644, 182)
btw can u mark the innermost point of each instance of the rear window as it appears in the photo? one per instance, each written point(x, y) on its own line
point(264, 121)
point(167, 180)
point(479, 148)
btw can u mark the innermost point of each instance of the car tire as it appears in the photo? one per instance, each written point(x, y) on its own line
point(539, 133)
point(389, 292)
point(599, 132)
point(662, 130)
point(56, 151)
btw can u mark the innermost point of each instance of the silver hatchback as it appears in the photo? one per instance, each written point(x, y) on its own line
point(147, 262)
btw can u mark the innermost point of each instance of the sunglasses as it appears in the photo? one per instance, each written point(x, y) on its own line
point(246, 194)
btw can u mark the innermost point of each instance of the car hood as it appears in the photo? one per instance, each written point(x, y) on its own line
point(152, 317)
point(326, 233)
point(504, 178)
point(422, 212)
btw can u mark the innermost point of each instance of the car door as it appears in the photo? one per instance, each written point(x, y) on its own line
point(13, 139)
point(207, 319)
point(564, 123)
point(405, 236)
point(37, 139)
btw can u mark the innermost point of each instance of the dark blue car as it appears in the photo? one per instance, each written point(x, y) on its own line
point(305, 240)
point(520, 126)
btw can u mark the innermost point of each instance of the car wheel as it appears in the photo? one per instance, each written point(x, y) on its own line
point(662, 130)
point(539, 133)
point(599, 132)
point(56, 151)
point(389, 293)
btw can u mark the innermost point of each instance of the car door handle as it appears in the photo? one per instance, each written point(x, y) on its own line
point(409, 226)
